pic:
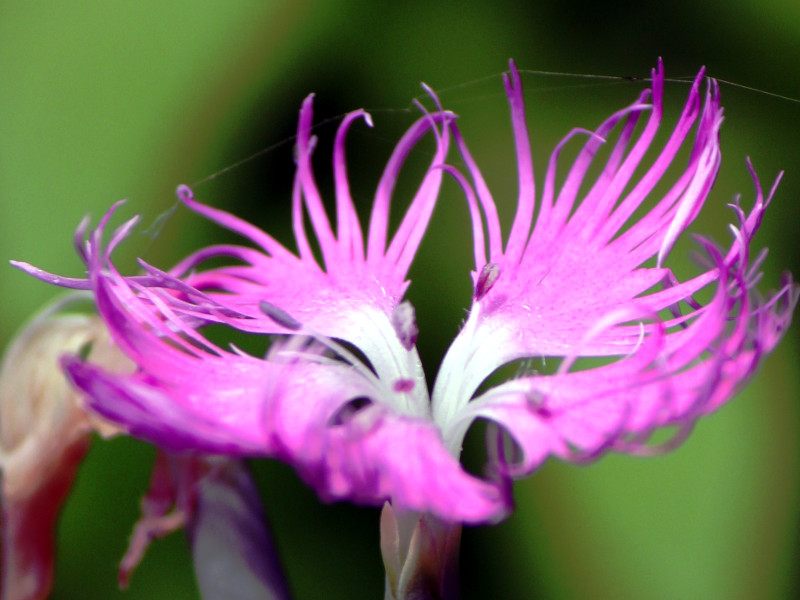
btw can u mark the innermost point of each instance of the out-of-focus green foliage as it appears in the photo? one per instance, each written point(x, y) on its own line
point(100, 101)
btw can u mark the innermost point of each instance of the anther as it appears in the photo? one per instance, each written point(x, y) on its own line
point(486, 279)
point(280, 316)
point(404, 321)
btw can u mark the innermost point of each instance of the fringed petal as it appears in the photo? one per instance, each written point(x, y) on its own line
point(582, 289)
point(675, 370)
point(352, 447)
point(584, 258)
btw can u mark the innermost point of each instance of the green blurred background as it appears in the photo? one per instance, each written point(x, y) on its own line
point(100, 101)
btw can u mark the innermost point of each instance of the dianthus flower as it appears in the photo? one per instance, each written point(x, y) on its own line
point(341, 394)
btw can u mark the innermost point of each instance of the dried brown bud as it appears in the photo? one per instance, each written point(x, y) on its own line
point(44, 433)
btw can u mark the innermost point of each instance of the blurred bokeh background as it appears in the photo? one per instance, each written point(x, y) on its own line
point(102, 101)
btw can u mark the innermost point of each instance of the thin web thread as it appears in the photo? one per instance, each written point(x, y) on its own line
point(595, 81)
point(599, 79)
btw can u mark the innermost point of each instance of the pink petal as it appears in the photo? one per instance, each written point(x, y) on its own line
point(581, 289)
point(678, 371)
point(371, 454)
point(577, 267)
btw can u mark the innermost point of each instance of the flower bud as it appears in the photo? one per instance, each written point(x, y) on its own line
point(420, 554)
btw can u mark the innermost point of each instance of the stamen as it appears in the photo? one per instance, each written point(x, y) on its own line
point(295, 347)
point(486, 279)
point(404, 321)
point(280, 316)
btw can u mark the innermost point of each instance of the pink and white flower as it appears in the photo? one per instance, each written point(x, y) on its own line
point(341, 394)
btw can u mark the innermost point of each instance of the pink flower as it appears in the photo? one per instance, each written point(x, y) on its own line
point(341, 393)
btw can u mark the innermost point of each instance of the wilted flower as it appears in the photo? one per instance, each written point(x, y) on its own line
point(44, 434)
point(45, 431)
point(341, 395)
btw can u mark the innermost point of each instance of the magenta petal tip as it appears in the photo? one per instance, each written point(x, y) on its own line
point(184, 193)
